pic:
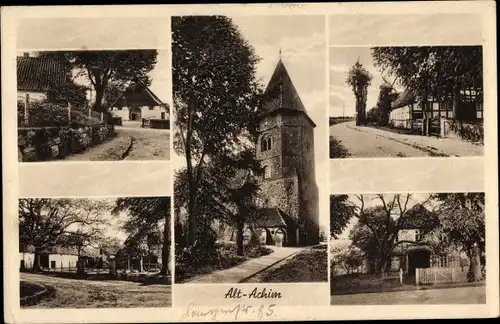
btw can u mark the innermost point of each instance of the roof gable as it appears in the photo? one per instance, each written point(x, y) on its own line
point(269, 217)
point(405, 98)
point(39, 74)
point(281, 94)
point(137, 93)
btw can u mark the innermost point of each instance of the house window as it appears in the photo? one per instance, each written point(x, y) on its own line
point(119, 108)
point(151, 107)
point(267, 172)
point(265, 144)
point(418, 236)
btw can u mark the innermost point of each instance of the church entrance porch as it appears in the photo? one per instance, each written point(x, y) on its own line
point(273, 236)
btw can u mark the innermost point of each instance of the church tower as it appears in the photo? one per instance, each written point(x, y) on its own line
point(285, 147)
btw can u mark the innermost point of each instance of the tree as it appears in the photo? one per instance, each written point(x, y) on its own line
point(227, 192)
point(359, 79)
point(462, 218)
point(215, 95)
point(349, 258)
point(146, 216)
point(47, 223)
point(378, 226)
point(101, 68)
point(68, 93)
point(341, 212)
point(437, 71)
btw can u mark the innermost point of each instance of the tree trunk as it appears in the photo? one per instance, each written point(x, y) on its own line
point(358, 112)
point(36, 262)
point(99, 96)
point(456, 102)
point(166, 247)
point(474, 273)
point(239, 237)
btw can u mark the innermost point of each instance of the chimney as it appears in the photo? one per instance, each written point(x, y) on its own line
point(26, 54)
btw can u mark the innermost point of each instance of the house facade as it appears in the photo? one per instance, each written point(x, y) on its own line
point(406, 110)
point(138, 102)
point(417, 249)
point(36, 75)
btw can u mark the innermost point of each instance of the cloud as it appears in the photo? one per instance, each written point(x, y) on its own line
point(340, 68)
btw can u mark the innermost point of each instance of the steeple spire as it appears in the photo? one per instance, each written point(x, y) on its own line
point(280, 54)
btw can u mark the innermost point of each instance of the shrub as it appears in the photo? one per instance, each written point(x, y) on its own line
point(337, 150)
point(473, 132)
point(45, 114)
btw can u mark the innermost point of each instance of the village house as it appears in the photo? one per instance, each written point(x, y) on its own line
point(57, 258)
point(418, 249)
point(36, 76)
point(406, 111)
point(138, 102)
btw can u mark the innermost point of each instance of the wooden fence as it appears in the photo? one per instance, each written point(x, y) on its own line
point(436, 275)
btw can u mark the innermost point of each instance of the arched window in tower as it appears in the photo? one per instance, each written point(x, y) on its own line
point(265, 144)
point(267, 172)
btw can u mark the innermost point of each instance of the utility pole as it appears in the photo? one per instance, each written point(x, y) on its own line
point(343, 109)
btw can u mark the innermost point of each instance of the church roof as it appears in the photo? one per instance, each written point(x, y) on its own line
point(269, 217)
point(281, 94)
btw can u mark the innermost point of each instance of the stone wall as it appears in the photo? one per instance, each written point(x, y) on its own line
point(50, 143)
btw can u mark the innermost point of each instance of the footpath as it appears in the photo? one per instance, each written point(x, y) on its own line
point(248, 268)
point(433, 145)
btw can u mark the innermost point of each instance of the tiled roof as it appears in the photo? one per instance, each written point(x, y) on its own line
point(281, 94)
point(269, 217)
point(405, 98)
point(419, 217)
point(86, 251)
point(38, 74)
point(139, 94)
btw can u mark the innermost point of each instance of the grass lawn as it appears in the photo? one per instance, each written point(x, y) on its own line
point(73, 293)
point(310, 265)
point(227, 259)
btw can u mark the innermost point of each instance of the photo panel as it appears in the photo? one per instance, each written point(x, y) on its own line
point(93, 105)
point(408, 249)
point(95, 252)
point(249, 106)
point(406, 101)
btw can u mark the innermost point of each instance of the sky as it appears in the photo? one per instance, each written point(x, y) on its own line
point(114, 228)
point(342, 99)
point(372, 201)
point(160, 76)
point(303, 46)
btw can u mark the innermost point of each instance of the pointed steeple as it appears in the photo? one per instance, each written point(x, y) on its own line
point(280, 93)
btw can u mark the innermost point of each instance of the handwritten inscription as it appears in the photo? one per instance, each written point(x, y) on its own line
point(262, 311)
point(264, 293)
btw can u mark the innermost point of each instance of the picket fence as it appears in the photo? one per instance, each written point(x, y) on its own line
point(438, 275)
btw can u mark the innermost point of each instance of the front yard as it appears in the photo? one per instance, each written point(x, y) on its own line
point(310, 265)
point(373, 283)
point(73, 293)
